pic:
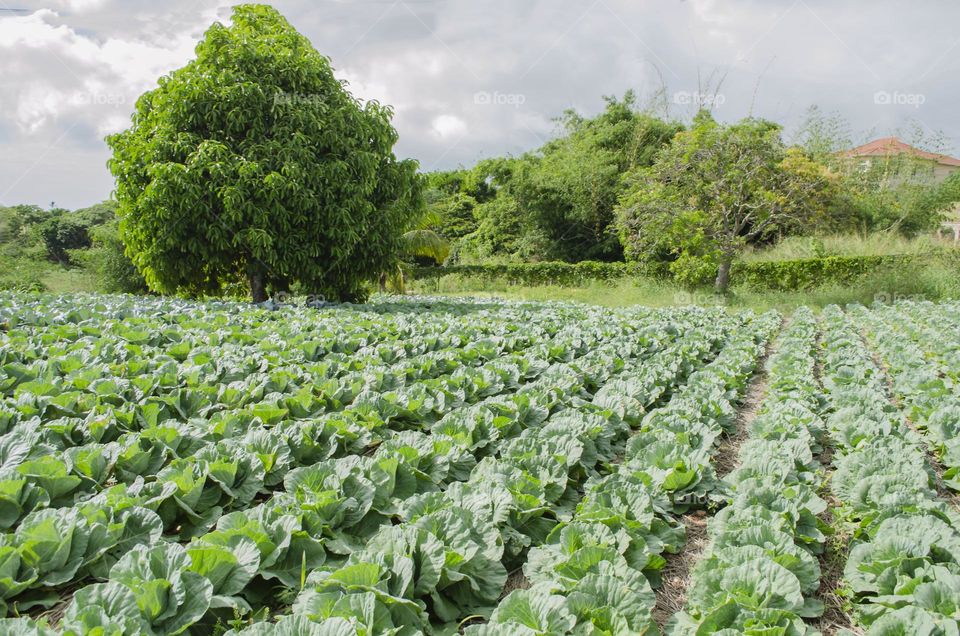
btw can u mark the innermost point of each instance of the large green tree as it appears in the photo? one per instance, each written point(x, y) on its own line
point(449, 199)
point(254, 162)
point(569, 188)
point(716, 189)
point(556, 202)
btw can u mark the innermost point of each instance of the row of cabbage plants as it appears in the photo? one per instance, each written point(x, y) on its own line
point(903, 567)
point(44, 470)
point(321, 511)
point(91, 382)
point(511, 501)
point(920, 376)
point(760, 573)
point(50, 548)
point(59, 458)
point(933, 326)
point(595, 574)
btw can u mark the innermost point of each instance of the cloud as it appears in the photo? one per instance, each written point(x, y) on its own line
point(84, 75)
point(81, 5)
point(449, 127)
point(71, 75)
point(72, 69)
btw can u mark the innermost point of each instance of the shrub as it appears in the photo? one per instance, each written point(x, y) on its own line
point(62, 234)
point(112, 268)
point(787, 275)
point(22, 275)
point(808, 273)
point(535, 274)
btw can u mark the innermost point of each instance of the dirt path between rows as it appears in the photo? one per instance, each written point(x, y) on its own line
point(835, 618)
point(672, 594)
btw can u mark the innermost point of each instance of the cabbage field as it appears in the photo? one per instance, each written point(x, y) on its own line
point(427, 466)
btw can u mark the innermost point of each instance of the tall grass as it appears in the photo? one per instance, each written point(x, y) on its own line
point(929, 281)
point(873, 244)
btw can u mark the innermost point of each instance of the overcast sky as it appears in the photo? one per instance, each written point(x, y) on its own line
point(478, 78)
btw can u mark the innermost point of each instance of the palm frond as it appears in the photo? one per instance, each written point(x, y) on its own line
point(426, 243)
point(431, 217)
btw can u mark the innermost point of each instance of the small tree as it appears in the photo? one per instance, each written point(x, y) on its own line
point(714, 190)
point(421, 241)
point(943, 200)
point(60, 234)
point(254, 162)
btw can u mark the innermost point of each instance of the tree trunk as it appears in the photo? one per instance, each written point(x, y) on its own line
point(723, 276)
point(258, 287)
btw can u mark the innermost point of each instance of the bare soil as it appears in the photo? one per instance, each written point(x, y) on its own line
point(515, 581)
point(672, 595)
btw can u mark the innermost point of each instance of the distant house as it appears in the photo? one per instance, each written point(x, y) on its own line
point(889, 150)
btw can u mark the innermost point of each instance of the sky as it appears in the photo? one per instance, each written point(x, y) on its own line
point(470, 79)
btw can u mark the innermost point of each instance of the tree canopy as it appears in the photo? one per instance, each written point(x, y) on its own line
point(570, 186)
point(556, 202)
point(253, 162)
point(716, 189)
point(898, 192)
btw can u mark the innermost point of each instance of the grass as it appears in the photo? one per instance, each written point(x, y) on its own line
point(30, 274)
point(874, 244)
point(621, 294)
point(927, 283)
point(62, 280)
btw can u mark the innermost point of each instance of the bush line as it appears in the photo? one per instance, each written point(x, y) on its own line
point(788, 275)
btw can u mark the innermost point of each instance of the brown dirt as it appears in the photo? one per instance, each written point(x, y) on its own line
point(515, 581)
point(835, 615)
point(54, 615)
point(726, 459)
point(672, 595)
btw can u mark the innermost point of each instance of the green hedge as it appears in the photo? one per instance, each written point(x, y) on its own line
point(809, 273)
point(793, 275)
point(535, 274)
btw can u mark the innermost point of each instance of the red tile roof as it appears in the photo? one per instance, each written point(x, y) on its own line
point(888, 146)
